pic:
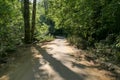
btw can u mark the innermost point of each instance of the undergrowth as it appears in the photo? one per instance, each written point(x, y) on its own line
point(105, 50)
point(45, 38)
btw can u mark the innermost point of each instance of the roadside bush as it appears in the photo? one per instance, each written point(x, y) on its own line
point(11, 26)
point(78, 42)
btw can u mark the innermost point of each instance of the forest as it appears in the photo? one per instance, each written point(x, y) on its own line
point(90, 25)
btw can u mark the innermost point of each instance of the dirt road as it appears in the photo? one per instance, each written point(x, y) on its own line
point(53, 61)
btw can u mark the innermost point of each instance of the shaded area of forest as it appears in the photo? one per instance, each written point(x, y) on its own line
point(89, 25)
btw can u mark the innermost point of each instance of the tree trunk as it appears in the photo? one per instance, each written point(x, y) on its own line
point(33, 19)
point(46, 6)
point(27, 38)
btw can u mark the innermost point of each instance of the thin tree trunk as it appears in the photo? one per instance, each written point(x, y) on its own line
point(27, 38)
point(46, 6)
point(33, 19)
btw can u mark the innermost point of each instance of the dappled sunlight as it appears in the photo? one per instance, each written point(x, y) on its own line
point(36, 53)
point(59, 39)
point(58, 67)
point(60, 46)
point(53, 62)
point(43, 70)
point(57, 62)
point(5, 77)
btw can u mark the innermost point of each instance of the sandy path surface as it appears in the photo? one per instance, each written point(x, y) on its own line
point(53, 61)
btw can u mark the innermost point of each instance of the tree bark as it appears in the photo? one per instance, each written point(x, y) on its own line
point(27, 38)
point(33, 19)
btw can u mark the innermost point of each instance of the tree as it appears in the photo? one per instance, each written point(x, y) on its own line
point(11, 25)
point(46, 6)
point(33, 19)
point(27, 36)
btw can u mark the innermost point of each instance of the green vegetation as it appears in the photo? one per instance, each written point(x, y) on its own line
point(91, 25)
point(12, 27)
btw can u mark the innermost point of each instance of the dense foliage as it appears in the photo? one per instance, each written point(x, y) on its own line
point(11, 25)
point(13, 28)
point(90, 22)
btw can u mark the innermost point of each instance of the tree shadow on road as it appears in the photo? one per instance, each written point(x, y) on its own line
point(63, 71)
